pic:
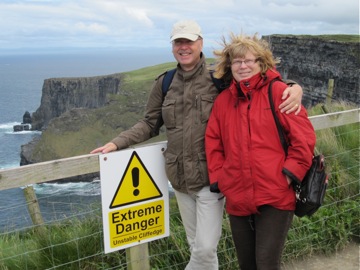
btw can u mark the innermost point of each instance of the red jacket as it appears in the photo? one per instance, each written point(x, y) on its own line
point(243, 148)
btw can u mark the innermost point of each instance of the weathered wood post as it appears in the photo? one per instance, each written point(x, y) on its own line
point(34, 209)
point(328, 96)
point(137, 257)
point(330, 91)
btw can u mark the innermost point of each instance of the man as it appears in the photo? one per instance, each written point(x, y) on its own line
point(185, 110)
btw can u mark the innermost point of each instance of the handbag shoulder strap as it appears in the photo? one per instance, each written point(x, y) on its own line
point(277, 121)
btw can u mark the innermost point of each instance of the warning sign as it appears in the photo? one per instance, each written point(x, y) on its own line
point(134, 196)
point(131, 225)
point(136, 185)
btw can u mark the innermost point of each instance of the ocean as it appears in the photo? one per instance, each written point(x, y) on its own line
point(21, 80)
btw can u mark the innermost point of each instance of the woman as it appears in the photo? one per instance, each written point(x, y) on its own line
point(246, 160)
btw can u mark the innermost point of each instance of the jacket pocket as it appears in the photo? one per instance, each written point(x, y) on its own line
point(202, 166)
point(227, 183)
point(171, 168)
point(207, 102)
point(168, 113)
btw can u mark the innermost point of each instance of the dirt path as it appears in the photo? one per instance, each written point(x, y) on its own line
point(347, 259)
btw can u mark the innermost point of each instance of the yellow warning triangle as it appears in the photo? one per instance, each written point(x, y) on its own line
point(136, 184)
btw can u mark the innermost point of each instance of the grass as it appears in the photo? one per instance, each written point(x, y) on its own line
point(78, 243)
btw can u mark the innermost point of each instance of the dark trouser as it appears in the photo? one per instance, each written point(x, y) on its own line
point(259, 239)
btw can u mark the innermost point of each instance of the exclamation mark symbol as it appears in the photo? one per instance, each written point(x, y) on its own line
point(135, 180)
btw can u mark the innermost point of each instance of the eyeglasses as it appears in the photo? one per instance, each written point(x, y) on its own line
point(247, 62)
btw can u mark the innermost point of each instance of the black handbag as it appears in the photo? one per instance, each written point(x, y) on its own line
point(311, 192)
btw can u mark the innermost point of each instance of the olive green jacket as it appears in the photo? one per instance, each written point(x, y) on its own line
point(184, 110)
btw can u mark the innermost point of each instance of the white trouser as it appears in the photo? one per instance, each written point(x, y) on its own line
point(202, 215)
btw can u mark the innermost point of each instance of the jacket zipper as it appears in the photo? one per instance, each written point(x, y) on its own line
point(248, 120)
point(197, 111)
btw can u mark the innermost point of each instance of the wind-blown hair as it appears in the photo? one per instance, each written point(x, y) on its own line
point(237, 47)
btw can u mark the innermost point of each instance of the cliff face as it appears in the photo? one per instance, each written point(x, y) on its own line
point(312, 62)
point(63, 94)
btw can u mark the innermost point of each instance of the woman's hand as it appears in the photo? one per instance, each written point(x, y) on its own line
point(288, 180)
point(292, 95)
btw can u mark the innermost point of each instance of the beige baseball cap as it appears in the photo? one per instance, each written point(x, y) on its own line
point(186, 29)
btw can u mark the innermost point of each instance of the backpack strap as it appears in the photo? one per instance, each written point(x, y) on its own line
point(277, 121)
point(168, 77)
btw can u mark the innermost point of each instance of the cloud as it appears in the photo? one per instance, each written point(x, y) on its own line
point(140, 15)
point(93, 28)
point(143, 23)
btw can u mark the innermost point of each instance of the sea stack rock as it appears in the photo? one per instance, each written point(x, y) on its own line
point(26, 118)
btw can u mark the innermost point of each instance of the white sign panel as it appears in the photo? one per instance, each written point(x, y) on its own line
point(134, 196)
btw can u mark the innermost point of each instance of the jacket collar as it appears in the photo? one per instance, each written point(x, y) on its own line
point(256, 82)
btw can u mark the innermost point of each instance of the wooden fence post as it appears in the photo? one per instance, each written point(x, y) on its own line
point(330, 91)
point(328, 96)
point(137, 257)
point(34, 209)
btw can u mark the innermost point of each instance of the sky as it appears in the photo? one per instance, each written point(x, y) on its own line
point(35, 25)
